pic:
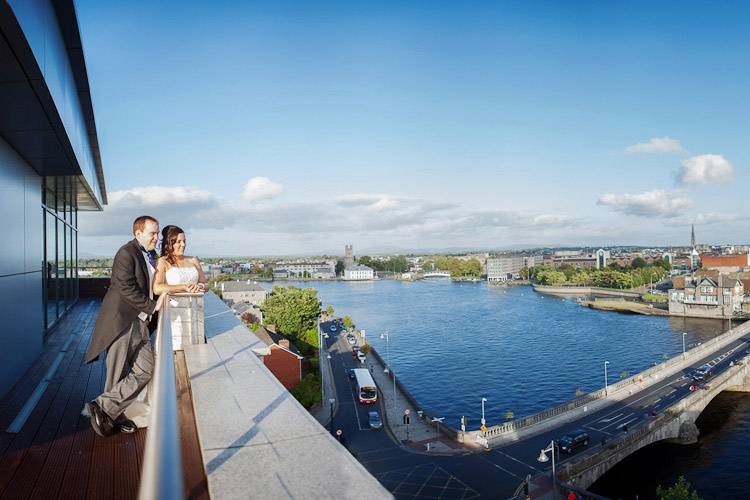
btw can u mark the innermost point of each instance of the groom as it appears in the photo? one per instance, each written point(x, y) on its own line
point(122, 329)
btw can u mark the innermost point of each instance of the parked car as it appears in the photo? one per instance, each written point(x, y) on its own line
point(350, 372)
point(361, 356)
point(333, 328)
point(352, 340)
point(701, 373)
point(573, 440)
point(374, 418)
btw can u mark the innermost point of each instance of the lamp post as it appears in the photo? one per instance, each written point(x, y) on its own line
point(483, 401)
point(543, 458)
point(385, 335)
point(387, 338)
point(606, 392)
point(684, 334)
point(332, 401)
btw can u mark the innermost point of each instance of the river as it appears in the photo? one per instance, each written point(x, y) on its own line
point(453, 343)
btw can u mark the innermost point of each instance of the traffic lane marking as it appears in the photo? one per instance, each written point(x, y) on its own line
point(501, 468)
point(517, 460)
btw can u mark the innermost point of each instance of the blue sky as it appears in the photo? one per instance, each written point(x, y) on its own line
point(295, 127)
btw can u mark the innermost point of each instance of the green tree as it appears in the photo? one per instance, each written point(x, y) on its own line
point(678, 491)
point(307, 392)
point(340, 267)
point(348, 323)
point(638, 263)
point(292, 309)
point(365, 260)
point(329, 311)
point(550, 277)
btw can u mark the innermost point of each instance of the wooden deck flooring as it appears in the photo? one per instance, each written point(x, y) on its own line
point(56, 454)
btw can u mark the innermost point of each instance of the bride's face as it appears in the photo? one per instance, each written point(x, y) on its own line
point(179, 245)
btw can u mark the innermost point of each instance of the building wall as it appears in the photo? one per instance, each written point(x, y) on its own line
point(21, 256)
point(719, 262)
point(284, 365)
point(251, 297)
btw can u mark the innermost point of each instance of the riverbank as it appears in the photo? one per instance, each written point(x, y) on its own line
point(624, 306)
point(566, 291)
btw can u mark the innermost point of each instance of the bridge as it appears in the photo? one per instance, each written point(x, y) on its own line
point(661, 403)
point(436, 274)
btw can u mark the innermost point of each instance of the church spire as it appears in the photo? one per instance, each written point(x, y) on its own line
point(692, 235)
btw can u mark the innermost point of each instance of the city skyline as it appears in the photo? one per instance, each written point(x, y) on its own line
point(293, 129)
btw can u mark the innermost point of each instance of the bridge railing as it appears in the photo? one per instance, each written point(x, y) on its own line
point(644, 377)
point(597, 455)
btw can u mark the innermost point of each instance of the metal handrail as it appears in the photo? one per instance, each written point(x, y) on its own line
point(161, 473)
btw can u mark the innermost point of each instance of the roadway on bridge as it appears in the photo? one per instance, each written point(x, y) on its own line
point(498, 472)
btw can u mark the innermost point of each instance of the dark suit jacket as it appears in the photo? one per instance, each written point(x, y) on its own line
point(128, 295)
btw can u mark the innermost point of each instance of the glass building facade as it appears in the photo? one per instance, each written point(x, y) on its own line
point(60, 213)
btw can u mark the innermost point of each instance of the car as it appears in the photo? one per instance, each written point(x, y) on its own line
point(350, 373)
point(361, 356)
point(333, 328)
point(701, 373)
point(374, 419)
point(352, 340)
point(574, 440)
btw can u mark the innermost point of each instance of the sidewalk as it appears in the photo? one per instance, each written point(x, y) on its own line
point(322, 412)
point(418, 436)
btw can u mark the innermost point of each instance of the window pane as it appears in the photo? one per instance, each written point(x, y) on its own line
point(50, 258)
point(60, 267)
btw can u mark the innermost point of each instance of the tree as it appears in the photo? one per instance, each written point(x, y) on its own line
point(678, 491)
point(638, 263)
point(550, 277)
point(292, 309)
point(365, 349)
point(365, 260)
point(329, 311)
point(340, 267)
point(348, 323)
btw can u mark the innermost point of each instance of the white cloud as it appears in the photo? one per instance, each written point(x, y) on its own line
point(705, 219)
point(656, 203)
point(657, 145)
point(182, 206)
point(705, 169)
point(261, 188)
point(372, 202)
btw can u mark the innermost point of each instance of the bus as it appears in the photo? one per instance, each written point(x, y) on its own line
point(366, 388)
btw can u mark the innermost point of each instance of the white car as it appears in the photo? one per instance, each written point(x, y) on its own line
point(352, 340)
point(361, 357)
point(333, 328)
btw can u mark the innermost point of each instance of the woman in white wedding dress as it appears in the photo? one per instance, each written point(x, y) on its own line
point(176, 273)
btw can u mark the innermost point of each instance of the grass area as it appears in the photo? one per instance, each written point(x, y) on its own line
point(657, 298)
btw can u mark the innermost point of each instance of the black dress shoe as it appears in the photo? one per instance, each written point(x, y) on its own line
point(126, 426)
point(100, 421)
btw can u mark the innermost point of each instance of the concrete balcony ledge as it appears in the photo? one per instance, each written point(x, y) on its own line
point(256, 439)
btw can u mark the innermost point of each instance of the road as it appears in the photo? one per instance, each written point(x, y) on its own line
point(496, 473)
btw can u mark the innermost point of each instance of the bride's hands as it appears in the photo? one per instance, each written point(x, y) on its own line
point(194, 288)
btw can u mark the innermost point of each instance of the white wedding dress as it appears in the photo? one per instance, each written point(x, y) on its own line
point(176, 275)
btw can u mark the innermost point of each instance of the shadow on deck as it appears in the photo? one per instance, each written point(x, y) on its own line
point(56, 454)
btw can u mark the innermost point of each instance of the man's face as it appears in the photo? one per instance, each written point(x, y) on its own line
point(149, 237)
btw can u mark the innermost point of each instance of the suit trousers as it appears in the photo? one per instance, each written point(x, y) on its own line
point(130, 365)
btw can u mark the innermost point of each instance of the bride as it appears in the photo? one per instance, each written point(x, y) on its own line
point(177, 273)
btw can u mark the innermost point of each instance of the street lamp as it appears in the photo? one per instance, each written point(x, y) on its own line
point(606, 392)
point(543, 458)
point(483, 401)
point(684, 334)
point(332, 401)
point(387, 338)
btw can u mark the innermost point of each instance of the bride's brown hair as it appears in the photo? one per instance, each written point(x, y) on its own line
point(168, 238)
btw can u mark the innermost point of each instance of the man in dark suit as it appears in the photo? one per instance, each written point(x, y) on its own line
point(122, 328)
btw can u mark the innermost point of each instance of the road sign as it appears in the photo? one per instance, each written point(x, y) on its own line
point(339, 432)
point(407, 411)
point(483, 428)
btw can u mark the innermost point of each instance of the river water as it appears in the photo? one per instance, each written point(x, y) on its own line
point(453, 343)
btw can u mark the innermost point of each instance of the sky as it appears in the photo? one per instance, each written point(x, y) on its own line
point(293, 128)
